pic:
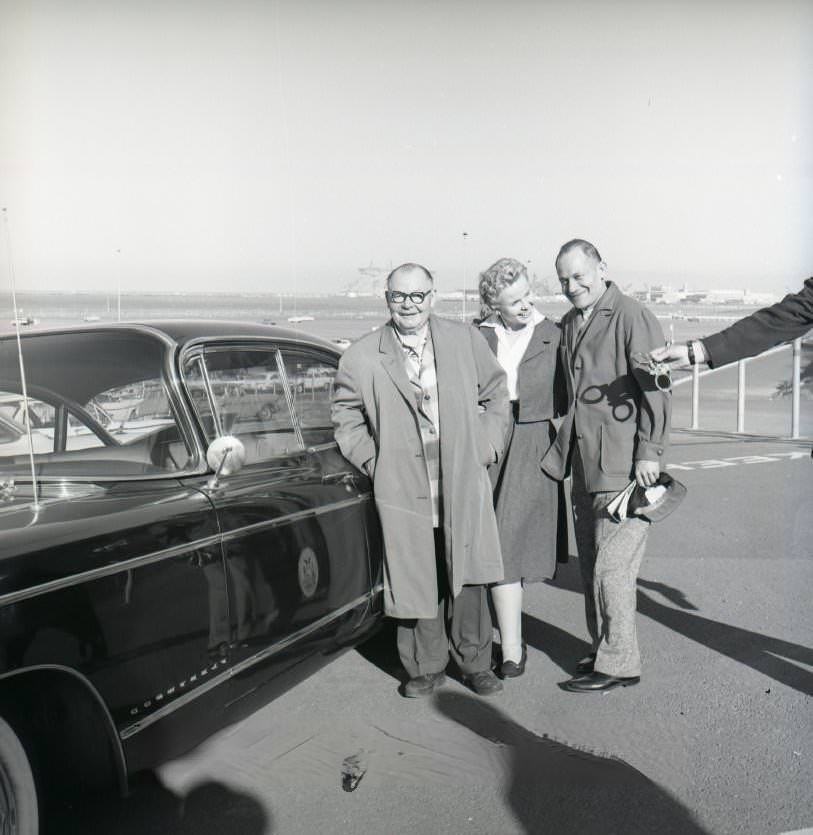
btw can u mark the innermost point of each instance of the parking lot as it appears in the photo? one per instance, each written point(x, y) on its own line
point(716, 738)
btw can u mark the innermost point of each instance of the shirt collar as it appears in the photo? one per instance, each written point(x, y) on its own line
point(412, 340)
point(587, 312)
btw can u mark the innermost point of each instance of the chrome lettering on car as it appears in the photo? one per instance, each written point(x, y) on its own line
point(170, 691)
point(242, 666)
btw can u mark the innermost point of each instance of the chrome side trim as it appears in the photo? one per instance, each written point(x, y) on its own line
point(262, 655)
point(296, 516)
point(169, 553)
point(108, 570)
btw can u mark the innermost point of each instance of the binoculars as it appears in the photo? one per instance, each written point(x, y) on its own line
point(661, 374)
point(660, 371)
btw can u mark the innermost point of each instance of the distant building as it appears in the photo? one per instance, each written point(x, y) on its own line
point(663, 294)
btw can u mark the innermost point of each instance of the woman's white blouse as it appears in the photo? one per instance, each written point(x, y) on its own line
point(511, 347)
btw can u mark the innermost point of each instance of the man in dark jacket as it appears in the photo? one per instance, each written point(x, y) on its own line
point(786, 320)
point(616, 429)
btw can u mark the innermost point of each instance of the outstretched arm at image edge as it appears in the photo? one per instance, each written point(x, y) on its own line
point(781, 322)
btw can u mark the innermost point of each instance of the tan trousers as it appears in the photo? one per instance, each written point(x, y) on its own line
point(610, 555)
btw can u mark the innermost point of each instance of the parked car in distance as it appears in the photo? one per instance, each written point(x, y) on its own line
point(190, 543)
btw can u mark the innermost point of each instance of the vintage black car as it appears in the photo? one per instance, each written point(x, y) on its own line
point(189, 543)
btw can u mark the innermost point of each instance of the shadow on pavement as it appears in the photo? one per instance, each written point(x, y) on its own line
point(554, 788)
point(209, 808)
point(381, 650)
point(559, 645)
point(774, 657)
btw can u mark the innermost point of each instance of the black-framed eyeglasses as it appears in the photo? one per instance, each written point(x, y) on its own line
point(397, 297)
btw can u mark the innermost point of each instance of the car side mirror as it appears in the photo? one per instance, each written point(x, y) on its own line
point(226, 456)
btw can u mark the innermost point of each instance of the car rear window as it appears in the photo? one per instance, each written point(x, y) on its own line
point(98, 406)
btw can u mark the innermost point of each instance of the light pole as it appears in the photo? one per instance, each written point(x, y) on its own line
point(465, 238)
point(118, 285)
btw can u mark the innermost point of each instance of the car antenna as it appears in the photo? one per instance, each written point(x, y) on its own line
point(26, 414)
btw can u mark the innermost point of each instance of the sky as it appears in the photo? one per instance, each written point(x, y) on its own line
point(279, 146)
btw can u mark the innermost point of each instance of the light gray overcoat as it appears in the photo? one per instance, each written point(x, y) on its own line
point(376, 421)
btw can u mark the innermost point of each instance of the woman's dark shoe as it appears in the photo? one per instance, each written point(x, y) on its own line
point(513, 669)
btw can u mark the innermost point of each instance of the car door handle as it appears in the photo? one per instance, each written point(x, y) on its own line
point(346, 478)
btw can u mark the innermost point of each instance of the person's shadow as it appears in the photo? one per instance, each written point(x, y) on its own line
point(554, 788)
point(210, 808)
point(773, 657)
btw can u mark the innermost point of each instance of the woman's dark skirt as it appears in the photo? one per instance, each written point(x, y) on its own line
point(529, 506)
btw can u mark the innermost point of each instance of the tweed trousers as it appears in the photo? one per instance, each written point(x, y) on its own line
point(610, 555)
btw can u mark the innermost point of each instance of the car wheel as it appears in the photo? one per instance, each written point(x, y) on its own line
point(18, 795)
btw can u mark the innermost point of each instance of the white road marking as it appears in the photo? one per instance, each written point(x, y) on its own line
point(714, 463)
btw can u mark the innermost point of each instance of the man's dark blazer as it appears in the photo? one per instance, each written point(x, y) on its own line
point(616, 413)
point(788, 319)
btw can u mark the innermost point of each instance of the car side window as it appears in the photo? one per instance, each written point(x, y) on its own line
point(13, 434)
point(250, 400)
point(311, 374)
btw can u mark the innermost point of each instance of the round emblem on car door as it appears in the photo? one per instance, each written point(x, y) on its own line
point(308, 570)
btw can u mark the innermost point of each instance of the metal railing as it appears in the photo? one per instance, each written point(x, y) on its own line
point(796, 386)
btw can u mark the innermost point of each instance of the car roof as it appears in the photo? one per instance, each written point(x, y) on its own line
point(183, 331)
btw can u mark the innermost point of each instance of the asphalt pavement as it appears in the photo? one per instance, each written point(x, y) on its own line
point(717, 737)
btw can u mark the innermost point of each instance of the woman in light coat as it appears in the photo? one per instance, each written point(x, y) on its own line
point(528, 504)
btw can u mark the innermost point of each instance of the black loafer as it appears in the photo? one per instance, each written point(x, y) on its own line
point(598, 683)
point(586, 664)
point(421, 686)
point(484, 683)
point(513, 669)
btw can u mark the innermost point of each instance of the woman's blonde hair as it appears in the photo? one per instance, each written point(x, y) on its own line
point(501, 274)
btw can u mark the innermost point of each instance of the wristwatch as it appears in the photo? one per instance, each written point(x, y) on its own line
point(697, 353)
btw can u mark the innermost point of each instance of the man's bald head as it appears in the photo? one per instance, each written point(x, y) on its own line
point(409, 267)
point(584, 246)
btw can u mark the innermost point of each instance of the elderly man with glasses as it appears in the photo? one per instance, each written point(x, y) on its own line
point(421, 406)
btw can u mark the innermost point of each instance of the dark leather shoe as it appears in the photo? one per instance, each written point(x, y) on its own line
point(512, 669)
point(484, 683)
point(586, 664)
point(421, 686)
point(598, 683)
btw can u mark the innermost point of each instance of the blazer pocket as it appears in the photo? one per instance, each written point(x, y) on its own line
point(615, 456)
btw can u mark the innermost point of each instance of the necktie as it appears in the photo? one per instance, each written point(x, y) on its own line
point(578, 323)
